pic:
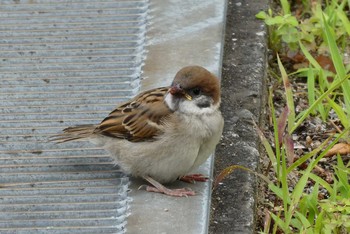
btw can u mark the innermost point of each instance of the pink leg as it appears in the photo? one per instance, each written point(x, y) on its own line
point(159, 188)
point(192, 178)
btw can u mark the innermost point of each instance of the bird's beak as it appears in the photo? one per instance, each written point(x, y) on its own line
point(177, 90)
point(187, 96)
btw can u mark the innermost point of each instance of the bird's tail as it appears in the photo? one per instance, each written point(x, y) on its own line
point(75, 133)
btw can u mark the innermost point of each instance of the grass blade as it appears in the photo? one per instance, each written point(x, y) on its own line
point(289, 146)
point(289, 95)
point(267, 147)
point(308, 155)
point(281, 124)
point(346, 23)
point(228, 170)
point(305, 114)
point(340, 113)
point(311, 87)
point(337, 61)
point(323, 183)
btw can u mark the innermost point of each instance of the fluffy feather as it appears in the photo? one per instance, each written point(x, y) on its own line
point(164, 133)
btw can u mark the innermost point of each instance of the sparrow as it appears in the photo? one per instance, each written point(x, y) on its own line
point(162, 134)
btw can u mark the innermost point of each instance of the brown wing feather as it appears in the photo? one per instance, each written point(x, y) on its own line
point(140, 119)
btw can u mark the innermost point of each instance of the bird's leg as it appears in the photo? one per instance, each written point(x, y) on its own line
point(159, 188)
point(192, 178)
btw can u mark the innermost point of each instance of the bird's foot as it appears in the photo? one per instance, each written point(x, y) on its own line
point(159, 188)
point(183, 192)
point(192, 178)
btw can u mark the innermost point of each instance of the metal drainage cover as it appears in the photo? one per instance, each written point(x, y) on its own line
point(62, 63)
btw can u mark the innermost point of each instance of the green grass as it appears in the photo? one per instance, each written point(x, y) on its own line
point(299, 208)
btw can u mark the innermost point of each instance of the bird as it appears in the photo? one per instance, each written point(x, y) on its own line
point(162, 134)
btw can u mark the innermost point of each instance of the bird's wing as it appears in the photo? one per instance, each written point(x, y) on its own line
point(140, 119)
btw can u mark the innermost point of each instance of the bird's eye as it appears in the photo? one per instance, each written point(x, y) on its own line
point(196, 91)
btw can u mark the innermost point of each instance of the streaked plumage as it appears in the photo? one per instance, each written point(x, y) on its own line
point(164, 133)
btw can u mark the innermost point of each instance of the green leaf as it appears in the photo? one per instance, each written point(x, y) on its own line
point(280, 223)
point(298, 191)
point(268, 148)
point(261, 15)
point(304, 221)
point(302, 117)
point(291, 20)
point(343, 177)
point(278, 191)
point(323, 183)
point(313, 203)
point(311, 87)
point(337, 61)
point(291, 36)
point(274, 20)
point(285, 6)
point(307, 37)
point(309, 57)
point(346, 23)
point(340, 112)
point(319, 222)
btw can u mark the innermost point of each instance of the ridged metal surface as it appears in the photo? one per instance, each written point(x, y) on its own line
point(62, 63)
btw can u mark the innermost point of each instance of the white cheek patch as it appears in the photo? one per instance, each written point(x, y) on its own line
point(169, 100)
point(190, 107)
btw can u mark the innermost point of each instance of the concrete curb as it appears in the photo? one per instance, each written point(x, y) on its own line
point(243, 74)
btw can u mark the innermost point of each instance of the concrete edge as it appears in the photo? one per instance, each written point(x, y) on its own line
point(244, 68)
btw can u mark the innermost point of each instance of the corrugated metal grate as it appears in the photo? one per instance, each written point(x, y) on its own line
point(62, 63)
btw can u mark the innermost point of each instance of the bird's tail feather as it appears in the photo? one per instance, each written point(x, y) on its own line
point(75, 133)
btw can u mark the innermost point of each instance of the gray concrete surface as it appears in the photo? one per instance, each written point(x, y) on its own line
point(64, 63)
point(180, 33)
point(243, 74)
